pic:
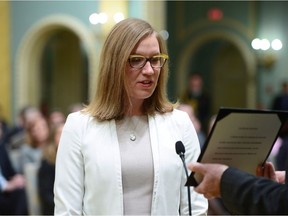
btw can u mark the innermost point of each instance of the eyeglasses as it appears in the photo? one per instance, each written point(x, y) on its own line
point(139, 61)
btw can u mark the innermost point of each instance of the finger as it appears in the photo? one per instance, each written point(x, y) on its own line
point(272, 173)
point(259, 170)
point(269, 171)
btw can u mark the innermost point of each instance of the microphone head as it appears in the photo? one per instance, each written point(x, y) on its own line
point(180, 148)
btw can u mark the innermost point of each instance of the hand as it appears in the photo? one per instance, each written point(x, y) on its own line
point(212, 173)
point(16, 182)
point(268, 171)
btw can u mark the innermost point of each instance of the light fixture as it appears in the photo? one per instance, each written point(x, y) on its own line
point(276, 44)
point(93, 18)
point(265, 44)
point(264, 50)
point(102, 18)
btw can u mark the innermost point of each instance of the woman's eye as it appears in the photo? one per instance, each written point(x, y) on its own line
point(136, 60)
point(155, 59)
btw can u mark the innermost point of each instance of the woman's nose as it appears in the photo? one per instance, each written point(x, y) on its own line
point(148, 69)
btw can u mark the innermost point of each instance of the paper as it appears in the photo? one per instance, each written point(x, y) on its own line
point(241, 138)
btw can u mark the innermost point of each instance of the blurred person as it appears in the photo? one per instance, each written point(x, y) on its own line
point(280, 153)
point(46, 172)
point(37, 138)
point(280, 149)
point(4, 127)
point(274, 154)
point(12, 187)
point(117, 156)
point(280, 102)
point(16, 136)
point(243, 193)
point(197, 125)
point(195, 96)
point(56, 117)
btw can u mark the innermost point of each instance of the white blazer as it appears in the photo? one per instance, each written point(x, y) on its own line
point(88, 167)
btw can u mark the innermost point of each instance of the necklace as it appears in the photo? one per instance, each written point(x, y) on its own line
point(132, 135)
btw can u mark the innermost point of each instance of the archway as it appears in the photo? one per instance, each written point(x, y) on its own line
point(64, 74)
point(224, 73)
point(32, 48)
point(237, 51)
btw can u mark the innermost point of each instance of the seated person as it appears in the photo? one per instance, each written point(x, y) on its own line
point(12, 187)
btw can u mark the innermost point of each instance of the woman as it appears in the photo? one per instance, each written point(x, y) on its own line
point(37, 138)
point(46, 172)
point(118, 156)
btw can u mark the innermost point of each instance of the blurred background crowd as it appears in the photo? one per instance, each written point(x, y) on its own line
point(221, 53)
point(27, 161)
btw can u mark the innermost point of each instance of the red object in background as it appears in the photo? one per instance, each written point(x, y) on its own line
point(215, 14)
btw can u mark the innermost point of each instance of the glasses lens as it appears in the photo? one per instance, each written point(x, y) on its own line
point(157, 61)
point(137, 61)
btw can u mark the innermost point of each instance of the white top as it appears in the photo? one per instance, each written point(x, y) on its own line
point(88, 177)
point(136, 165)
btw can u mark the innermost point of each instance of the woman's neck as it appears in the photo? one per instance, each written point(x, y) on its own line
point(136, 108)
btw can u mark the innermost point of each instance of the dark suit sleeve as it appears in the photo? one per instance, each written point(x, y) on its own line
point(5, 163)
point(46, 177)
point(243, 193)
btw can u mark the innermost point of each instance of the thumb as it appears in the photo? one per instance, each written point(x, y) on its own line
point(194, 166)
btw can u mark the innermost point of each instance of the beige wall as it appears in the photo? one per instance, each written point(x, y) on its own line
point(5, 94)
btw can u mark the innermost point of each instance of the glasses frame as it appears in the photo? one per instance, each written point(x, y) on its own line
point(166, 57)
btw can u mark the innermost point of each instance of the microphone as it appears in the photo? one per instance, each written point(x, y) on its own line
point(180, 150)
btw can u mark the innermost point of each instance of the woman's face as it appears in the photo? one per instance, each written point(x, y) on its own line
point(142, 82)
point(39, 132)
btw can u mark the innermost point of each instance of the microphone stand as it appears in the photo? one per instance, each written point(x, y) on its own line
point(182, 156)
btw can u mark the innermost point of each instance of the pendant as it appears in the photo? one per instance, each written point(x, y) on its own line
point(132, 137)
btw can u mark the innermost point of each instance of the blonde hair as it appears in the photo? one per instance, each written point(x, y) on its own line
point(111, 99)
point(49, 153)
point(50, 150)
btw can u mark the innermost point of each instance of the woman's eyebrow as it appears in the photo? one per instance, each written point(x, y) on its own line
point(157, 53)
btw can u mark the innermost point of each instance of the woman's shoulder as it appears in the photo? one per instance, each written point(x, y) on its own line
point(81, 122)
point(179, 113)
point(176, 116)
point(78, 117)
